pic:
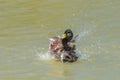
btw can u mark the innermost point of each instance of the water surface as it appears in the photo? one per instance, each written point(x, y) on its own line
point(27, 25)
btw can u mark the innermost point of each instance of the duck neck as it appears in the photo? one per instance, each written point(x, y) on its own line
point(65, 45)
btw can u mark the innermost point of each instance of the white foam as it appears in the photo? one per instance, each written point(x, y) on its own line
point(82, 56)
point(44, 56)
point(47, 56)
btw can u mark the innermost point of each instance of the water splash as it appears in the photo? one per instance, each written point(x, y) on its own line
point(47, 56)
point(82, 56)
point(85, 31)
point(44, 55)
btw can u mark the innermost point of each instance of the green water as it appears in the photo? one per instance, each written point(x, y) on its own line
point(27, 25)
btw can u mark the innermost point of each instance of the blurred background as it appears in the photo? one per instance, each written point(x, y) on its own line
point(27, 25)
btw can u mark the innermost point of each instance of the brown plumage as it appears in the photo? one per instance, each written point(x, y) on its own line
point(63, 51)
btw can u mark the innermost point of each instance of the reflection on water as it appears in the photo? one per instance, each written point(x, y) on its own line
point(25, 29)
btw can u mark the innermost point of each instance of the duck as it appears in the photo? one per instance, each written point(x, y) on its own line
point(63, 47)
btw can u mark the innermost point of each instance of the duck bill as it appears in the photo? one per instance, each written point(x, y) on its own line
point(64, 36)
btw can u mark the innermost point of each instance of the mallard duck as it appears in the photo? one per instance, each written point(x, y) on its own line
point(62, 47)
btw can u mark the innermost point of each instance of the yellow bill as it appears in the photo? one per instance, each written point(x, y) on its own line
point(64, 36)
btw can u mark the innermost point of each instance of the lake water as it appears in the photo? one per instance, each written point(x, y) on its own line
point(27, 25)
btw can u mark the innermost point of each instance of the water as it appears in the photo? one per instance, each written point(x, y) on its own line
point(25, 29)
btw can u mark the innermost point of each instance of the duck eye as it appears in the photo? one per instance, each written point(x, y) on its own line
point(69, 34)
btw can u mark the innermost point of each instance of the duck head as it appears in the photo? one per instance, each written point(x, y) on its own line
point(68, 35)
